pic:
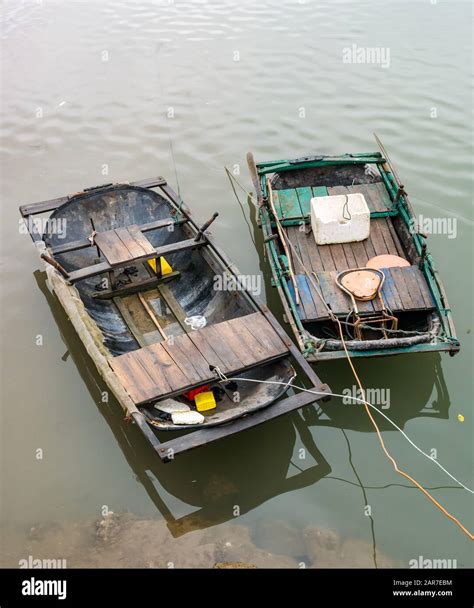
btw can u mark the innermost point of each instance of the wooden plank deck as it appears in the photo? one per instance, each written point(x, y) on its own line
point(382, 240)
point(375, 194)
point(405, 289)
point(167, 368)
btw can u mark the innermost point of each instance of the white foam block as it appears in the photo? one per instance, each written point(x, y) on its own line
point(329, 218)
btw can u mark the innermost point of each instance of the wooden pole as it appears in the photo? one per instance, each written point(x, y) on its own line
point(283, 241)
point(151, 312)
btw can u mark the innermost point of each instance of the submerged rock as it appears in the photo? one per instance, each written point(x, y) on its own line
point(326, 549)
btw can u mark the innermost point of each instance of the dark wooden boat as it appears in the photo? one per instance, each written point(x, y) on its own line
point(135, 275)
point(411, 300)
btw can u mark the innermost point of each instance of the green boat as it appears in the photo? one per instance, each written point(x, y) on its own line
point(384, 289)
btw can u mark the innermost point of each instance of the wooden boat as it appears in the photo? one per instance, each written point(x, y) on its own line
point(135, 275)
point(409, 310)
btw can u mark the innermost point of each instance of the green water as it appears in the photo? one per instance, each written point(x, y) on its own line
point(87, 97)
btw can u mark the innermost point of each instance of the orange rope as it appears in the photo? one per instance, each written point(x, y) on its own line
point(389, 456)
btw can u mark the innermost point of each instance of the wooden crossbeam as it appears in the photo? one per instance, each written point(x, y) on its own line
point(96, 269)
point(84, 243)
point(51, 205)
point(132, 288)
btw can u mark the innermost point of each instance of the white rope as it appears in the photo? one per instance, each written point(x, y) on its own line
point(300, 388)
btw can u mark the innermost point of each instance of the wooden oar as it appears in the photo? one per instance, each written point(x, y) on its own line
point(283, 241)
point(254, 175)
point(383, 150)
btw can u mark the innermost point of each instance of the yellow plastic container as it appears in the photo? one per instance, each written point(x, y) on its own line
point(165, 268)
point(205, 401)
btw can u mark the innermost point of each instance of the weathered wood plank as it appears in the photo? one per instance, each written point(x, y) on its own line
point(304, 197)
point(263, 332)
point(230, 334)
point(402, 288)
point(173, 374)
point(128, 241)
point(190, 350)
point(389, 292)
point(139, 238)
point(248, 339)
point(112, 247)
point(185, 363)
point(413, 280)
point(338, 256)
point(387, 236)
point(326, 257)
point(307, 302)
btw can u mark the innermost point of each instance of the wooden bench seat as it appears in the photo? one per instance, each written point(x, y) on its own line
point(295, 203)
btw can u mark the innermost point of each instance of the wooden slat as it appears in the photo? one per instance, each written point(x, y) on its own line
point(425, 290)
point(387, 236)
point(219, 344)
point(189, 350)
point(112, 247)
point(309, 252)
point(157, 371)
point(350, 257)
point(198, 338)
point(230, 332)
point(185, 363)
point(402, 288)
point(262, 330)
point(377, 240)
point(413, 278)
point(360, 253)
point(289, 204)
point(326, 256)
point(389, 291)
point(173, 374)
point(369, 246)
point(398, 244)
point(276, 202)
point(248, 339)
point(140, 238)
point(307, 302)
point(134, 249)
point(338, 256)
point(304, 197)
point(135, 379)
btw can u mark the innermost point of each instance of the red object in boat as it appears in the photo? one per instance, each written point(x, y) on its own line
point(195, 391)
